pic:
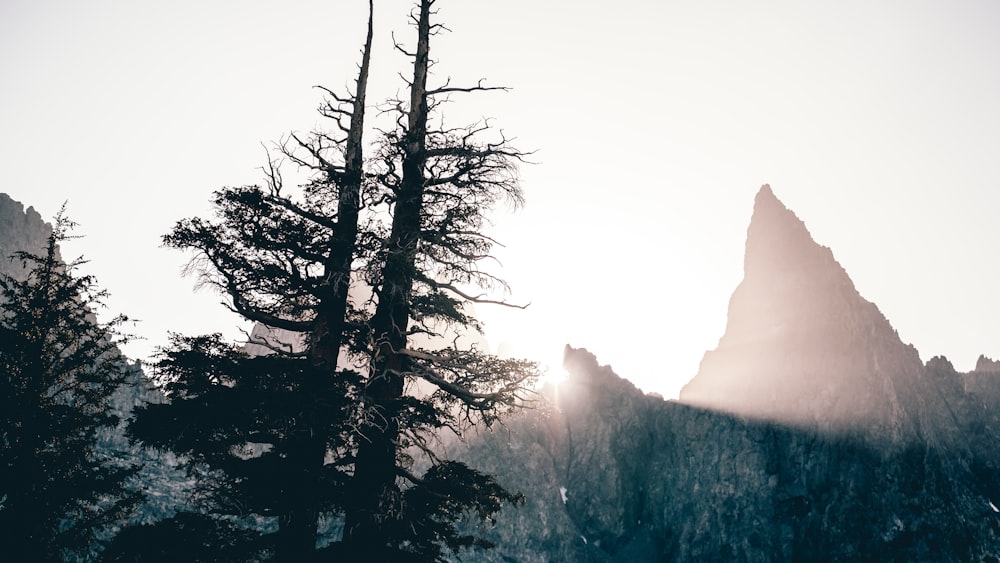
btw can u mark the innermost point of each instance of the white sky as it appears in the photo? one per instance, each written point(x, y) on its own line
point(655, 123)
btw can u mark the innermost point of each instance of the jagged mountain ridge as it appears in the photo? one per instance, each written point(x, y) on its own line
point(20, 229)
point(611, 474)
point(813, 434)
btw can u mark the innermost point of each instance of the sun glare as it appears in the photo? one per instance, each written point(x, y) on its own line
point(550, 362)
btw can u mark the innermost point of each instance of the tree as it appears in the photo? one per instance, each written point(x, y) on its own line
point(365, 402)
point(264, 427)
point(58, 369)
point(439, 183)
point(240, 422)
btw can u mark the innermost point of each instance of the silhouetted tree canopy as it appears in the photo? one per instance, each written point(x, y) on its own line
point(58, 368)
point(364, 274)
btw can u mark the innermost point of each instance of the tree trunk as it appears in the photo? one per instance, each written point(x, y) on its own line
point(298, 526)
point(328, 333)
point(375, 469)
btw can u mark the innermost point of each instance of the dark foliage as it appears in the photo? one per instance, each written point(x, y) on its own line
point(438, 184)
point(241, 424)
point(58, 369)
point(349, 268)
point(188, 537)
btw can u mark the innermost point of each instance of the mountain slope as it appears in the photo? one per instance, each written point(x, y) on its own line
point(812, 433)
point(611, 474)
point(803, 347)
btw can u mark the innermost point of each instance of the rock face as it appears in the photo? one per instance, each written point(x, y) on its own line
point(20, 229)
point(986, 365)
point(803, 347)
point(812, 433)
point(611, 474)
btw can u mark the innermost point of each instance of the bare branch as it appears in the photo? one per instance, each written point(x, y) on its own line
point(399, 46)
point(285, 203)
point(478, 299)
point(477, 88)
point(507, 394)
point(286, 349)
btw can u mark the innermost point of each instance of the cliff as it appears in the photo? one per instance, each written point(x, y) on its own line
point(811, 433)
point(804, 348)
point(613, 475)
point(20, 229)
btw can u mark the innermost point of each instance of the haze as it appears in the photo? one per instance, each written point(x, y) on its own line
point(654, 124)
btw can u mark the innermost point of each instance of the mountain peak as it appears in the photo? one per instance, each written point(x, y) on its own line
point(987, 365)
point(766, 195)
point(778, 241)
point(801, 345)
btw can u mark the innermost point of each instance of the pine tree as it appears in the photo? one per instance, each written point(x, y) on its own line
point(258, 430)
point(239, 422)
point(439, 183)
point(58, 369)
point(346, 409)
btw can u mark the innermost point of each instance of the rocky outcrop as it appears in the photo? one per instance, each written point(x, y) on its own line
point(986, 365)
point(811, 433)
point(20, 229)
point(803, 347)
point(611, 474)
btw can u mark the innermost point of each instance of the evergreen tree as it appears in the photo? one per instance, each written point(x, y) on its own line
point(258, 431)
point(58, 369)
point(238, 421)
point(345, 410)
point(439, 183)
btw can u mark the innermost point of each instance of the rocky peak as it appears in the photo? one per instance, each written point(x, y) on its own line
point(940, 365)
point(778, 242)
point(802, 346)
point(22, 230)
point(987, 365)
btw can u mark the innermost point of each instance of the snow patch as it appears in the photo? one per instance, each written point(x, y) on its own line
point(562, 493)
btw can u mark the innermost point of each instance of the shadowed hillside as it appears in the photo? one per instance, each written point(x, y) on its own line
point(812, 433)
point(614, 475)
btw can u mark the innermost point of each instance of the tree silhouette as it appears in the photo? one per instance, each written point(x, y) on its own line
point(240, 423)
point(344, 410)
point(438, 182)
point(264, 427)
point(58, 369)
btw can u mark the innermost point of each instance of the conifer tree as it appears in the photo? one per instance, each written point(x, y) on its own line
point(239, 422)
point(439, 183)
point(58, 369)
point(258, 431)
point(346, 407)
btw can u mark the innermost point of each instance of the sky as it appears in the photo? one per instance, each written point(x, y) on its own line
point(653, 124)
